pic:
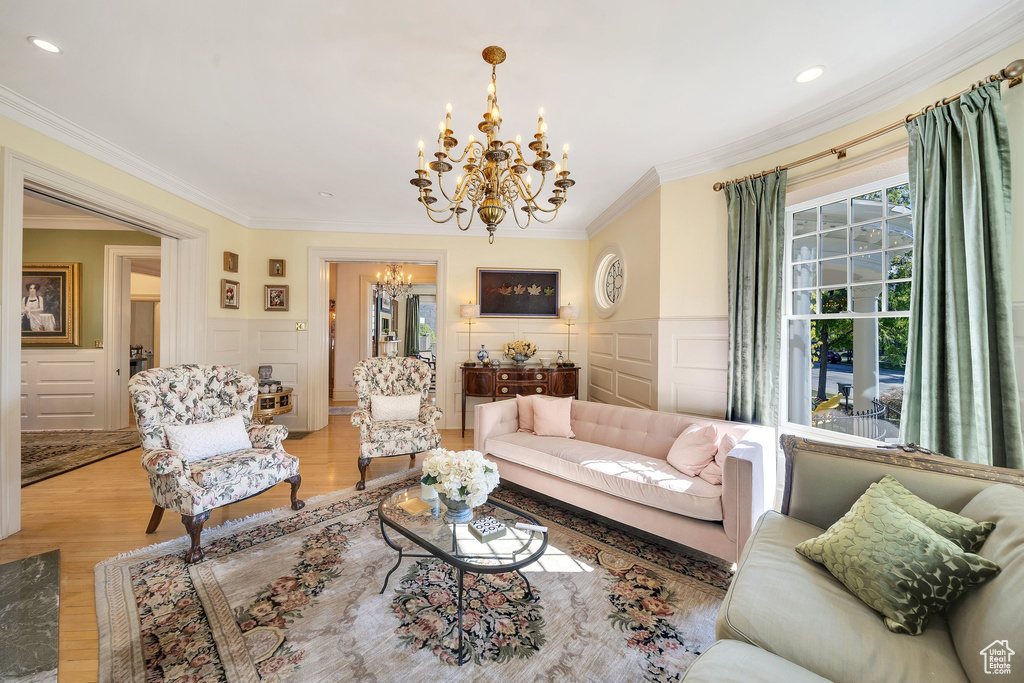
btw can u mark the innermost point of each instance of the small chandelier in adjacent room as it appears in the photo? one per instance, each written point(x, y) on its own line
point(395, 283)
point(494, 179)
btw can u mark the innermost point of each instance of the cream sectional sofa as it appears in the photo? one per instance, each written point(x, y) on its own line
point(786, 618)
point(616, 468)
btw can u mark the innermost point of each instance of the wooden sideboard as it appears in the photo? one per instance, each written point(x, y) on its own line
point(497, 382)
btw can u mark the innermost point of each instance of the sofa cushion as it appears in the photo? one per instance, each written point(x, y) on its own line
point(731, 661)
point(694, 449)
point(551, 418)
point(620, 473)
point(219, 469)
point(200, 440)
point(390, 408)
point(794, 608)
point(992, 612)
point(394, 430)
point(967, 534)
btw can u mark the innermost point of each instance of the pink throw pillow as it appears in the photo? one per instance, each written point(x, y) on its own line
point(694, 449)
point(551, 417)
point(712, 474)
point(525, 405)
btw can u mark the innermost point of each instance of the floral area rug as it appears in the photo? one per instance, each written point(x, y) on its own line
point(295, 596)
point(47, 454)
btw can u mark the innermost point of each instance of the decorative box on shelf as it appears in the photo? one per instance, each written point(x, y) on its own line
point(271, 404)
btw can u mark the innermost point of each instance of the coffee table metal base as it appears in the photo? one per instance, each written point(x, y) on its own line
point(459, 573)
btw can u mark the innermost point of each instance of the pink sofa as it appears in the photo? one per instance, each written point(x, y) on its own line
point(616, 467)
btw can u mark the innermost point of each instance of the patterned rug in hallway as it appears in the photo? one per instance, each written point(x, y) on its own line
point(294, 596)
point(47, 454)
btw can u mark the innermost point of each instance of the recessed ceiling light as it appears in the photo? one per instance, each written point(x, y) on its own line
point(326, 194)
point(809, 74)
point(44, 45)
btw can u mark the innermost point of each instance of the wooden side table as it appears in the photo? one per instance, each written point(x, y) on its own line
point(270, 405)
point(496, 382)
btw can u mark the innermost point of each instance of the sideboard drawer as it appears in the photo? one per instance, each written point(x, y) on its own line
point(522, 388)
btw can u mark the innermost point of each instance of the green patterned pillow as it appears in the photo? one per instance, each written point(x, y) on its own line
point(894, 563)
point(965, 532)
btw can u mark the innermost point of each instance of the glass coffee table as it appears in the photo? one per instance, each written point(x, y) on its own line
point(455, 545)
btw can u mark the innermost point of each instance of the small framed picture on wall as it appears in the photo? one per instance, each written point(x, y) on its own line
point(229, 294)
point(230, 262)
point(277, 267)
point(275, 297)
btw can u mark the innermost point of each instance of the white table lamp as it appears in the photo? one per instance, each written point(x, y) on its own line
point(470, 311)
point(568, 314)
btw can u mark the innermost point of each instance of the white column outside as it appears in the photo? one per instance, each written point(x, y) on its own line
point(865, 348)
point(800, 347)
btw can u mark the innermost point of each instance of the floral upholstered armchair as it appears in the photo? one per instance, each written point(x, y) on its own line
point(189, 394)
point(382, 439)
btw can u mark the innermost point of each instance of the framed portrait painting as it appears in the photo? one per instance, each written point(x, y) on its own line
point(513, 293)
point(229, 294)
point(51, 313)
point(275, 297)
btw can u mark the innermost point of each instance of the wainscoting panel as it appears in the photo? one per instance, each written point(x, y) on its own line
point(694, 362)
point(62, 389)
point(227, 342)
point(622, 363)
point(277, 343)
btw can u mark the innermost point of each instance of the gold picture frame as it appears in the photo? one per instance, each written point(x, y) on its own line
point(229, 293)
point(51, 306)
point(275, 297)
point(277, 267)
point(230, 262)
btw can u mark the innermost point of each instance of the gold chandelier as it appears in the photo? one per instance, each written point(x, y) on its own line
point(494, 179)
point(396, 284)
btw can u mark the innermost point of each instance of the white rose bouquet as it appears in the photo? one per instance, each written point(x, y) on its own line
point(460, 475)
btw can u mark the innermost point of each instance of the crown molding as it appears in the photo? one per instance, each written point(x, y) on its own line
point(649, 181)
point(981, 40)
point(70, 223)
point(447, 230)
point(40, 119)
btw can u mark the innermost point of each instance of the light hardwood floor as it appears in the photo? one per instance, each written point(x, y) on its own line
point(100, 510)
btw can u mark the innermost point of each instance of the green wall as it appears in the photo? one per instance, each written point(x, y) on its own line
point(85, 247)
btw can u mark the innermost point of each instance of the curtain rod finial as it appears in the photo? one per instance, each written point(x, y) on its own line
point(719, 187)
point(1014, 69)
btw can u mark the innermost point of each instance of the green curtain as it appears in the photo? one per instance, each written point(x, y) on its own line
point(757, 233)
point(960, 395)
point(411, 338)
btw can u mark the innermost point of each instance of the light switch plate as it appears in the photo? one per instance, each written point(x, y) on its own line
point(98, 343)
point(300, 327)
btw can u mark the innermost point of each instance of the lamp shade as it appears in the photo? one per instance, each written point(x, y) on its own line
point(469, 311)
point(568, 312)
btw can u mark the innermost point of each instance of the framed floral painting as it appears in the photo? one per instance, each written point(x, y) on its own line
point(275, 297)
point(229, 294)
point(51, 313)
point(513, 293)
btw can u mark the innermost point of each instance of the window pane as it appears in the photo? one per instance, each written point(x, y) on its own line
point(833, 300)
point(805, 276)
point(833, 215)
point(867, 267)
point(805, 221)
point(805, 248)
point(833, 272)
point(867, 298)
point(901, 231)
point(899, 296)
point(866, 237)
point(898, 200)
point(805, 302)
point(901, 262)
point(868, 207)
point(833, 243)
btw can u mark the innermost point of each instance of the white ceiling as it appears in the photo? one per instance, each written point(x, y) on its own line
point(255, 106)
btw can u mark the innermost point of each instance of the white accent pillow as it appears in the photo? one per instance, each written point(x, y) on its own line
point(206, 439)
point(389, 408)
point(694, 449)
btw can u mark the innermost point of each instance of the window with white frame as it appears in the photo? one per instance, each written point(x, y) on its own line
point(849, 259)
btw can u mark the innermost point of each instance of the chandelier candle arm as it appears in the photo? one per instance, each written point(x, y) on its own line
point(492, 181)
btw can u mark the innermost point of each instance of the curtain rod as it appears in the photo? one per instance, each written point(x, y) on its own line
point(1014, 72)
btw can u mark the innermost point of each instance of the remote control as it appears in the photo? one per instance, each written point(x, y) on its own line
point(530, 527)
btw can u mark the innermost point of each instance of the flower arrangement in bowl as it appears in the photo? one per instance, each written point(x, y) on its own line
point(520, 351)
point(462, 480)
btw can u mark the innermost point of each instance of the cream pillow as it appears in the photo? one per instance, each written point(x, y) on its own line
point(551, 417)
point(694, 449)
point(391, 408)
point(524, 403)
point(206, 439)
point(713, 472)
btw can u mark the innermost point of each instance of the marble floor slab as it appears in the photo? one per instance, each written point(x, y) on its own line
point(29, 611)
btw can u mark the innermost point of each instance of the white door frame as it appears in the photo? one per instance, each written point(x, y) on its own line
point(320, 259)
point(116, 332)
point(184, 260)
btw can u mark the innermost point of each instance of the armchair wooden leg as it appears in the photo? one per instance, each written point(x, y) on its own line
point(154, 521)
point(194, 527)
point(296, 481)
point(363, 464)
